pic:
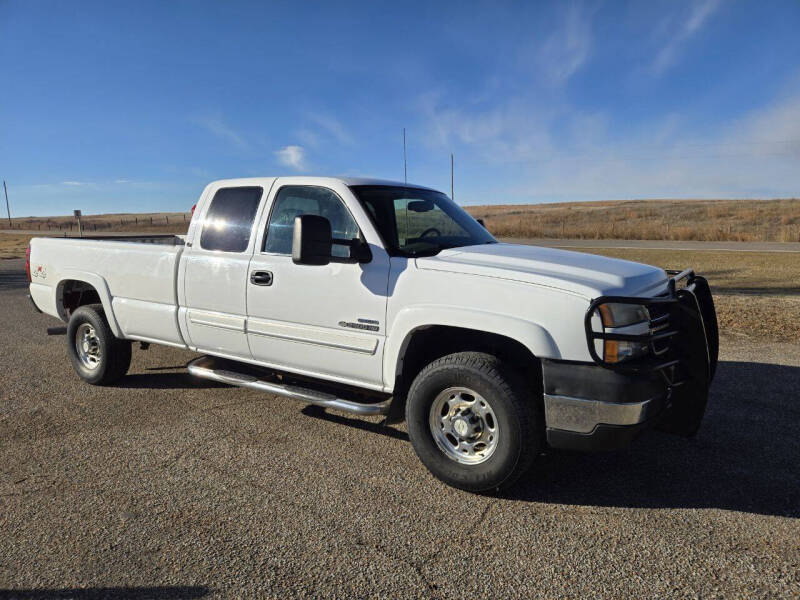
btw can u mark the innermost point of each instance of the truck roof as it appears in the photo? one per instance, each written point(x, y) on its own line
point(322, 180)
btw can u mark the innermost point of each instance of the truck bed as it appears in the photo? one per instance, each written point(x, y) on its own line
point(135, 274)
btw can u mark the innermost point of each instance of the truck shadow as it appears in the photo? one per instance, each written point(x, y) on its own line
point(318, 412)
point(744, 458)
point(166, 381)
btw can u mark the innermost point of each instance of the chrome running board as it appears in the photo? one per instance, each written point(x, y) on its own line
point(206, 368)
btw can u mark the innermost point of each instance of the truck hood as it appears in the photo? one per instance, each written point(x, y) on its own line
point(588, 275)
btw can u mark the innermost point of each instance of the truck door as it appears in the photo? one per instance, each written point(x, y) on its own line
point(326, 321)
point(215, 271)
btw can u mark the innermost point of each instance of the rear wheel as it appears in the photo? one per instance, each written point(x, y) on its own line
point(473, 422)
point(97, 356)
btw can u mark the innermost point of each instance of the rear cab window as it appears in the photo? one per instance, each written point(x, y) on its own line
point(229, 220)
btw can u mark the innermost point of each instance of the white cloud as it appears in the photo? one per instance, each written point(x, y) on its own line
point(75, 183)
point(333, 127)
point(506, 133)
point(222, 130)
point(292, 157)
point(700, 12)
point(755, 156)
point(559, 153)
point(568, 47)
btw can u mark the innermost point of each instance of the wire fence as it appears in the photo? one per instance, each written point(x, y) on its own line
point(138, 222)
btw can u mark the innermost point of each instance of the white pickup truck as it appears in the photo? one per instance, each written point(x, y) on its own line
point(383, 298)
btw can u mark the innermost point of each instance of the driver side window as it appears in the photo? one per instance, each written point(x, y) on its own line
point(296, 200)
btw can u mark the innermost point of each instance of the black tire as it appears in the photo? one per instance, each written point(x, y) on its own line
point(114, 353)
point(517, 413)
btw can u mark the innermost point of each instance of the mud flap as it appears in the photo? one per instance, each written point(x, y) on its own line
point(698, 344)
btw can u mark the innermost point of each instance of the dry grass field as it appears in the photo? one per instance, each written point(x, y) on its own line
point(703, 220)
point(13, 245)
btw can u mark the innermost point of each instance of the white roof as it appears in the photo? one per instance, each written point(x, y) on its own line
point(323, 180)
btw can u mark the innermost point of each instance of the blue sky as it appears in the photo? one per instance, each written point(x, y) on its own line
point(135, 106)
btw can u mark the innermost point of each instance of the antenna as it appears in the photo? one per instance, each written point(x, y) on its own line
point(452, 188)
point(5, 189)
point(405, 167)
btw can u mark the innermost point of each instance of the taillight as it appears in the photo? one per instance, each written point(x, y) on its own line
point(193, 207)
point(28, 263)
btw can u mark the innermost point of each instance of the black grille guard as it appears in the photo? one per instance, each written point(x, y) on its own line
point(687, 345)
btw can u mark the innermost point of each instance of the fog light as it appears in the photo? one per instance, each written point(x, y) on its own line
point(615, 351)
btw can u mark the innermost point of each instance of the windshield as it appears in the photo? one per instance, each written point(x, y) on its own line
point(414, 222)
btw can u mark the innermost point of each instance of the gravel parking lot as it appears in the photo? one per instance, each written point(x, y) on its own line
point(167, 487)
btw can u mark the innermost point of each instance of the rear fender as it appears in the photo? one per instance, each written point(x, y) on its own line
point(99, 284)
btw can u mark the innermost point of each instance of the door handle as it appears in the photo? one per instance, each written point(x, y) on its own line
point(261, 277)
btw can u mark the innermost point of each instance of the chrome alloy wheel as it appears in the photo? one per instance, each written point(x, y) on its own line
point(464, 426)
point(87, 345)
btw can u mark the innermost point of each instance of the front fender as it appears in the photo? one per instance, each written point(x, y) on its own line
point(531, 335)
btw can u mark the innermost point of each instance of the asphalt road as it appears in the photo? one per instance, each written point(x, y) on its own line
point(165, 487)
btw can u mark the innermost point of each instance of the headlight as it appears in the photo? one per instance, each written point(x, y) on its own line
point(616, 316)
point(622, 315)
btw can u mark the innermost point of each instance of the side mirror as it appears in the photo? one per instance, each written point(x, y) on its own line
point(360, 252)
point(312, 240)
point(481, 222)
point(420, 206)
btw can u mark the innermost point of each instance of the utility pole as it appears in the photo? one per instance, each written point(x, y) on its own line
point(405, 167)
point(5, 189)
point(452, 188)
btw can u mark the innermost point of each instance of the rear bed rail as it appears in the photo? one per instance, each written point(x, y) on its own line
point(164, 239)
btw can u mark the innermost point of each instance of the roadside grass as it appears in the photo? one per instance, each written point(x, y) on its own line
point(755, 293)
point(13, 245)
point(703, 220)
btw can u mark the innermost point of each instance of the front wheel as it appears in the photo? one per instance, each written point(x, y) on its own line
point(97, 356)
point(472, 422)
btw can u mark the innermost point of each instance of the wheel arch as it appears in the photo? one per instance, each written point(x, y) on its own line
point(518, 342)
point(79, 288)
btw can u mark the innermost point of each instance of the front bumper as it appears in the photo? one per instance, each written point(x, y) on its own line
point(604, 405)
point(588, 407)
